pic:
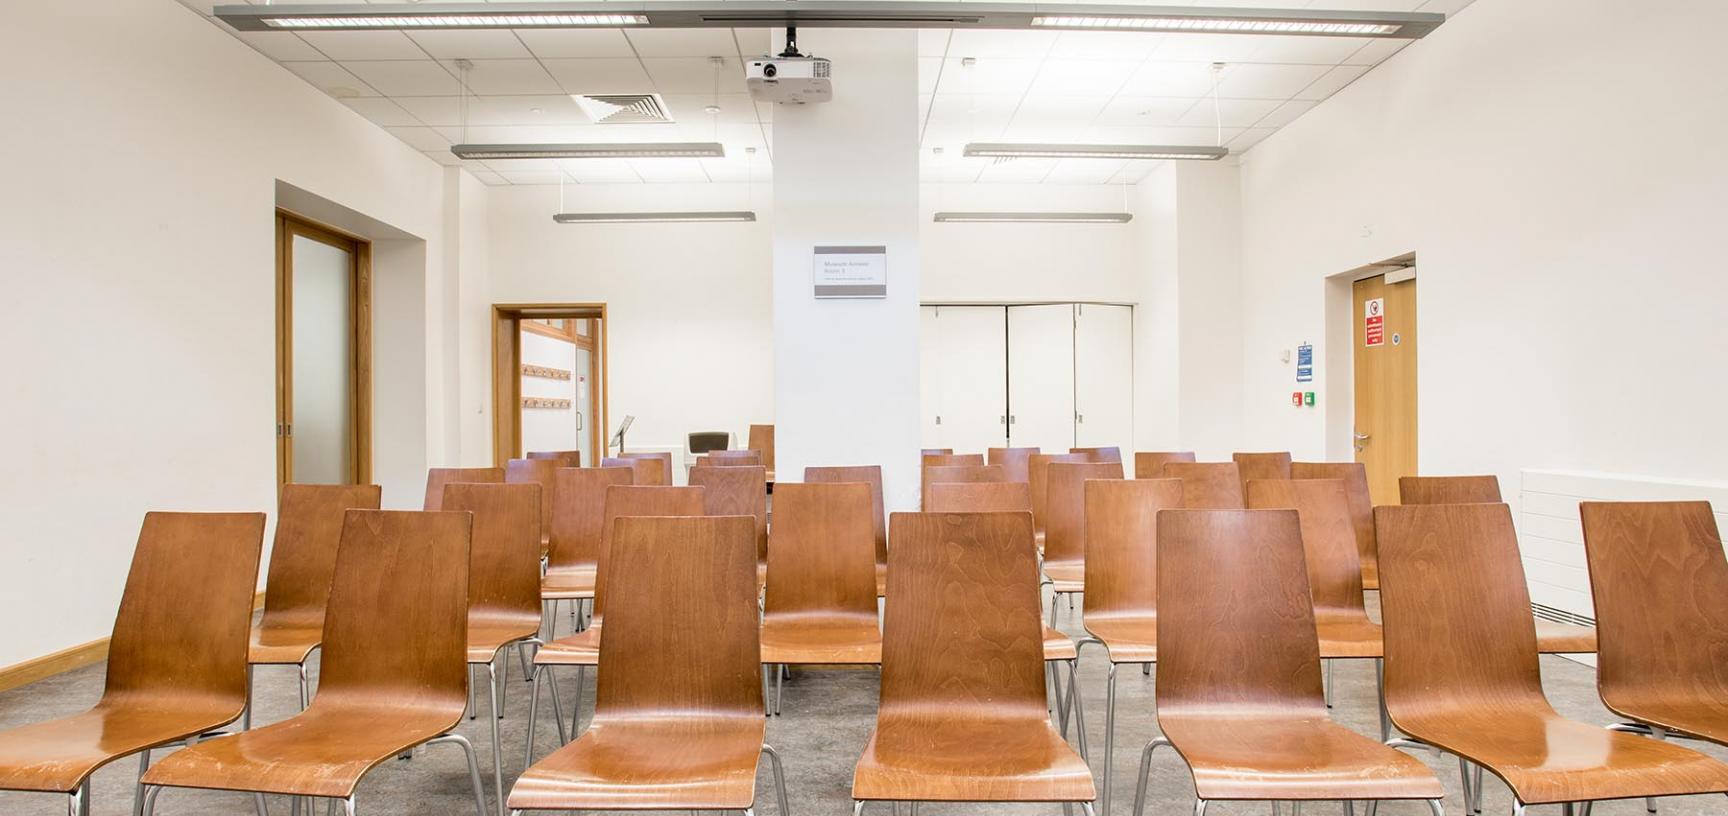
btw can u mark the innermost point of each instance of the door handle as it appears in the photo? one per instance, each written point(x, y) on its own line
point(578, 420)
point(1361, 437)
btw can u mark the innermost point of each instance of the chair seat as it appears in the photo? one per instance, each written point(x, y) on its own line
point(1058, 646)
point(564, 583)
point(279, 645)
point(1348, 635)
point(58, 755)
point(650, 764)
point(322, 752)
point(1546, 758)
point(485, 638)
point(1128, 639)
point(1066, 576)
point(828, 640)
point(1293, 758)
point(970, 761)
point(1564, 638)
point(580, 649)
point(1701, 716)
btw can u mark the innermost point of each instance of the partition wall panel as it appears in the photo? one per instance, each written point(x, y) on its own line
point(1041, 376)
point(1104, 377)
point(964, 375)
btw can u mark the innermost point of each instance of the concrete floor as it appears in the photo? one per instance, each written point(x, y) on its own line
point(826, 719)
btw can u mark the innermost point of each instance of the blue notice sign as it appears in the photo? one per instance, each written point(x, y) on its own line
point(1304, 363)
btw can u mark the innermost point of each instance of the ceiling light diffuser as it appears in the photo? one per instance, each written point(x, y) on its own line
point(643, 150)
point(1213, 25)
point(1093, 151)
point(652, 217)
point(1035, 217)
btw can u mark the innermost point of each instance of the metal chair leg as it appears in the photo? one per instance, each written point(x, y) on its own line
point(576, 707)
point(501, 669)
point(1199, 807)
point(246, 713)
point(1109, 737)
point(522, 660)
point(305, 688)
point(779, 688)
point(259, 806)
point(1079, 710)
point(767, 697)
point(1146, 771)
point(1435, 808)
point(473, 769)
point(1331, 688)
point(779, 779)
point(1380, 688)
point(473, 707)
point(1464, 780)
point(497, 743)
point(150, 793)
point(348, 806)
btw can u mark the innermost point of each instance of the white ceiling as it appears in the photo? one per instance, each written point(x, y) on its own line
point(1025, 86)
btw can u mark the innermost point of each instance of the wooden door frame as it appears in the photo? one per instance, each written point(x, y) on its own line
point(1348, 331)
point(507, 373)
point(289, 225)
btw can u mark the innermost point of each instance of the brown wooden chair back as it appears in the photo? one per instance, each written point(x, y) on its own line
point(1355, 478)
point(1150, 464)
point(650, 474)
point(962, 636)
point(1660, 582)
point(1016, 462)
point(980, 497)
point(504, 551)
point(303, 557)
point(1122, 544)
point(731, 458)
point(1328, 538)
point(761, 439)
point(396, 635)
point(580, 515)
point(1257, 466)
point(569, 459)
point(1038, 478)
point(186, 612)
point(1448, 490)
point(625, 501)
point(870, 475)
point(1235, 625)
point(1456, 611)
point(1065, 507)
point(1103, 454)
point(646, 472)
point(542, 472)
point(931, 460)
point(1208, 485)
point(737, 491)
point(936, 474)
point(682, 639)
point(935, 451)
point(822, 561)
point(437, 478)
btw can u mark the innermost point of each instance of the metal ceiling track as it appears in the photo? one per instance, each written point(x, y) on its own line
point(828, 14)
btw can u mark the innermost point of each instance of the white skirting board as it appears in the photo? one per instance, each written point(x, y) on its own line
point(1551, 536)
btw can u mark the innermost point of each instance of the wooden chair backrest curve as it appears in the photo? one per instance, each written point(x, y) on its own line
point(1448, 490)
point(740, 490)
point(580, 514)
point(1065, 507)
point(1150, 464)
point(1122, 544)
point(437, 478)
point(980, 497)
point(870, 475)
point(1208, 485)
point(1015, 462)
point(639, 500)
point(504, 548)
point(303, 556)
point(1355, 478)
point(1328, 539)
point(822, 559)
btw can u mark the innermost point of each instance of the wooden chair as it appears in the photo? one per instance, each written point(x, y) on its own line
point(1462, 675)
point(935, 451)
point(1065, 525)
point(569, 459)
point(394, 671)
point(963, 713)
point(192, 581)
point(740, 490)
point(1150, 464)
point(959, 473)
point(649, 476)
point(1239, 691)
point(1257, 466)
point(1660, 583)
point(730, 458)
point(646, 472)
point(1207, 485)
point(820, 603)
point(870, 475)
point(437, 478)
point(582, 649)
point(678, 712)
point(1037, 477)
point(503, 587)
point(1121, 612)
point(576, 526)
point(931, 460)
point(1448, 489)
point(543, 472)
point(1104, 454)
point(1355, 478)
point(761, 440)
point(980, 497)
point(297, 586)
point(1015, 462)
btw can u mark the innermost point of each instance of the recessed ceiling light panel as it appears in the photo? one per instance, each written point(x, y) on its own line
point(1093, 151)
point(1034, 217)
point(579, 150)
point(653, 217)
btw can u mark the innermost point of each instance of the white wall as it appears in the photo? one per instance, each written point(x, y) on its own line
point(997, 263)
point(1557, 168)
point(137, 232)
point(549, 429)
point(689, 304)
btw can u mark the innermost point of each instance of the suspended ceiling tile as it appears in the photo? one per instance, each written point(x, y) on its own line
point(1332, 82)
point(331, 78)
point(683, 42)
point(1160, 78)
point(506, 76)
point(1267, 81)
point(282, 46)
point(405, 78)
point(1233, 112)
point(989, 75)
point(381, 111)
point(1144, 111)
point(424, 139)
point(600, 76)
point(344, 46)
point(694, 75)
point(564, 43)
point(472, 45)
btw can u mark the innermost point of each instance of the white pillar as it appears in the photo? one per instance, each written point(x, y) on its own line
point(846, 174)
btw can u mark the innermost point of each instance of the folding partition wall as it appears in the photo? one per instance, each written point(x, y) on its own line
point(1053, 376)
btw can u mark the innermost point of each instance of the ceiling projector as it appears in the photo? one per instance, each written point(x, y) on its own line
point(790, 78)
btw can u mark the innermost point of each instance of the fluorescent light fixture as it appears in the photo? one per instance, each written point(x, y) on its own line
point(1034, 217)
point(652, 217)
point(1093, 151)
point(942, 14)
point(578, 150)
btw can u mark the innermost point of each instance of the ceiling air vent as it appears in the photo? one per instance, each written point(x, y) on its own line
point(623, 109)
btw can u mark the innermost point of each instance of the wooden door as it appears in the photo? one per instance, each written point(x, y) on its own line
point(323, 355)
point(1385, 374)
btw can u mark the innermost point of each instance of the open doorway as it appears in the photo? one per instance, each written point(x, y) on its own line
point(323, 354)
point(549, 379)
